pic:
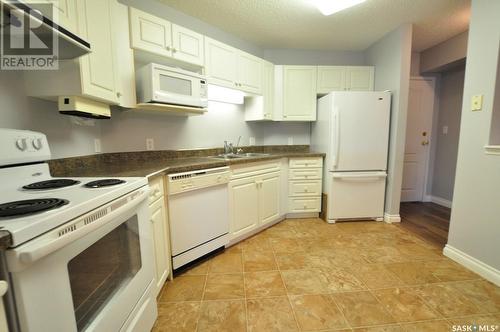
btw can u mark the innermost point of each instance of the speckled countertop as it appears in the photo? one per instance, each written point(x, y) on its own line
point(152, 163)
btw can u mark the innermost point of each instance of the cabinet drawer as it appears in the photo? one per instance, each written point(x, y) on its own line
point(156, 189)
point(246, 170)
point(306, 162)
point(304, 188)
point(304, 204)
point(305, 174)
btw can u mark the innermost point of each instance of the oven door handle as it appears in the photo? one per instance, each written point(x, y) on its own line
point(52, 242)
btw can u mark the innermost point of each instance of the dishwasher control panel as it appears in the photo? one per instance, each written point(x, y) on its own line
point(183, 182)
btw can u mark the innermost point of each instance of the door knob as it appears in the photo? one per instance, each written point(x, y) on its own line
point(425, 142)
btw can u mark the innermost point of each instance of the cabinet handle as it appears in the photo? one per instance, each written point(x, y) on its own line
point(118, 94)
point(168, 48)
point(174, 50)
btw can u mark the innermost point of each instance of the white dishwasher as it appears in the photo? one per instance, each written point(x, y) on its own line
point(198, 210)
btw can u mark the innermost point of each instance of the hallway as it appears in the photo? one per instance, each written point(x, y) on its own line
point(427, 220)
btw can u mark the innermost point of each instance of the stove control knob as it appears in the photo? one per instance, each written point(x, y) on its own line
point(37, 143)
point(21, 144)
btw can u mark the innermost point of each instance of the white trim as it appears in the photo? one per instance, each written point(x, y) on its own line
point(492, 149)
point(390, 218)
point(256, 230)
point(440, 201)
point(473, 264)
point(302, 215)
point(427, 198)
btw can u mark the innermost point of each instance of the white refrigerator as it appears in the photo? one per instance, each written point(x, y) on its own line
point(352, 129)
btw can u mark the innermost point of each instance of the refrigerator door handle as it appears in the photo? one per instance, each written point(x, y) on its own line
point(361, 176)
point(336, 138)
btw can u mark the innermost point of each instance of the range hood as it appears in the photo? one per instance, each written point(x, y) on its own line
point(71, 46)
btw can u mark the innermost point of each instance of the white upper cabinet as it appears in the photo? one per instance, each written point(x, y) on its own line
point(232, 68)
point(188, 46)
point(341, 78)
point(158, 36)
point(299, 93)
point(64, 12)
point(220, 63)
point(360, 78)
point(97, 68)
point(331, 78)
point(150, 33)
point(249, 73)
point(261, 108)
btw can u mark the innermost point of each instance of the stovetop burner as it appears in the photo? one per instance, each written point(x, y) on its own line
point(51, 184)
point(30, 206)
point(104, 183)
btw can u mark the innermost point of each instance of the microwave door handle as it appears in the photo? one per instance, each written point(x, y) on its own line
point(44, 246)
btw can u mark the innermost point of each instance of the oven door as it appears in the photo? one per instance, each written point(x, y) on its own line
point(177, 88)
point(87, 275)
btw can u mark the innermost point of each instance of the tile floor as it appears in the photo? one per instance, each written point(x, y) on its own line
point(306, 275)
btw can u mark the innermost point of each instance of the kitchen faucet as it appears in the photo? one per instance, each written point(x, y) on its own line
point(229, 148)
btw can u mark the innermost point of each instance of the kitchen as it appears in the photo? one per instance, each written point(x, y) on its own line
point(195, 183)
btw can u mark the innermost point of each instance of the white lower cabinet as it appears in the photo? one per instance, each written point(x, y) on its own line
point(160, 234)
point(305, 185)
point(254, 201)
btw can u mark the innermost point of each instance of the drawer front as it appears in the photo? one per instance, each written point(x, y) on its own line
point(306, 163)
point(242, 171)
point(156, 187)
point(304, 188)
point(304, 204)
point(305, 174)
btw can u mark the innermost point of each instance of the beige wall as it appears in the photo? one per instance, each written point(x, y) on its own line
point(392, 57)
point(475, 226)
point(438, 57)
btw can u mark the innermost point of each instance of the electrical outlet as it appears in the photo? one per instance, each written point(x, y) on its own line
point(445, 130)
point(97, 145)
point(477, 103)
point(251, 141)
point(290, 140)
point(150, 144)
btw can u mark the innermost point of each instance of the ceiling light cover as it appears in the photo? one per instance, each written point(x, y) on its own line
point(329, 7)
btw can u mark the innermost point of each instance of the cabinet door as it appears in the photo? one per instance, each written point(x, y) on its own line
point(188, 46)
point(331, 78)
point(158, 230)
point(268, 90)
point(63, 12)
point(220, 63)
point(244, 205)
point(150, 33)
point(299, 85)
point(97, 68)
point(249, 73)
point(269, 197)
point(360, 78)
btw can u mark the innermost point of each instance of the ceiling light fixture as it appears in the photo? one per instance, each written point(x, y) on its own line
point(329, 7)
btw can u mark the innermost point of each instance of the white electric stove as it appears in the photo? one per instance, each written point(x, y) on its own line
point(80, 257)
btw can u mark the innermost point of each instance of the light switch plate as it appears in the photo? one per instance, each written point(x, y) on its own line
point(251, 141)
point(477, 102)
point(150, 144)
point(445, 130)
point(97, 145)
point(290, 140)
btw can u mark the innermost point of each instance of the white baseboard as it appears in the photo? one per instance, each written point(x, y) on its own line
point(302, 215)
point(473, 264)
point(440, 201)
point(242, 237)
point(390, 218)
point(427, 198)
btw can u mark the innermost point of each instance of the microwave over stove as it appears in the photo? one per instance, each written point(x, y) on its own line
point(173, 86)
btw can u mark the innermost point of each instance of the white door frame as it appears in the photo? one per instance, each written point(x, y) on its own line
point(426, 197)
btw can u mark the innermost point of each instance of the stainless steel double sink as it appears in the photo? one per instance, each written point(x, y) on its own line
point(240, 156)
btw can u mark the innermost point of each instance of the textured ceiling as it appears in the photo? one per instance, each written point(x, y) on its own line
point(297, 24)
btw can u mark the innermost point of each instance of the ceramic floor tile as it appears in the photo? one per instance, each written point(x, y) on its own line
point(413, 273)
point(184, 288)
point(299, 282)
point(485, 295)
point(199, 269)
point(376, 276)
point(286, 246)
point(339, 280)
point(447, 300)
point(219, 316)
point(362, 309)
point(405, 305)
point(317, 312)
point(386, 328)
point(280, 233)
point(224, 287)
point(295, 261)
point(477, 320)
point(430, 326)
point(271, 314)
point(447, 270)
point(226, 263)
point(259, 261)
point(264, 284)
point(182, 317)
